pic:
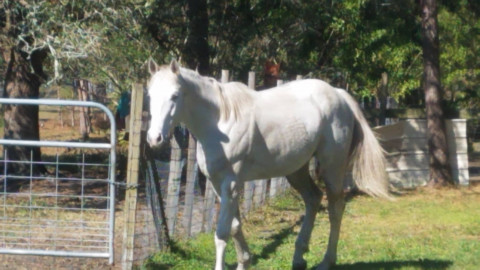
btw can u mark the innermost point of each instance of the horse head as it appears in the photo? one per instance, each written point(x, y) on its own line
point(166, 101)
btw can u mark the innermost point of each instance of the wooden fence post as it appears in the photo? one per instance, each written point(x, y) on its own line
point(277, 184)
point(225, 74)
point(192, 169)
point(259, 192)
point(173, 190)
point(209, 211)
point(259, 186)
point(273, 187)
point(249, 186)
point(131, 195)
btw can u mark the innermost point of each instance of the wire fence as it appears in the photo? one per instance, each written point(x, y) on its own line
point(190, 204)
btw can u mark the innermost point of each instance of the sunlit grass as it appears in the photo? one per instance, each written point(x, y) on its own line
point(421, 230)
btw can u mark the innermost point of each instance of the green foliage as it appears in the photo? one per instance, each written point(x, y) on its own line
point(349, 43)
point(98, 40)
point(459, 59)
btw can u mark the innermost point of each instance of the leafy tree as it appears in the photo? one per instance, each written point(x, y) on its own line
point(349, 43)
point(95, 39)
point(459, 29)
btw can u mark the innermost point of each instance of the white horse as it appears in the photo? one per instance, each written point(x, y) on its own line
point(245, 135)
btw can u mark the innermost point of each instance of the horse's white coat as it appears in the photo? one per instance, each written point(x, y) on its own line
point(245, 135)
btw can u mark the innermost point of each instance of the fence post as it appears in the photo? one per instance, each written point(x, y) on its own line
point(260, 193)
point(192, 169)
point(249, 186)
point(273, 187)
point(225, 74)
point(277, 184)
point(131, 195)
point(173, 190)
point(208, 216)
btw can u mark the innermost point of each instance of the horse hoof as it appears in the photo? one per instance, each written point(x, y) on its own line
point(323, 266)
point(299, 265)
point(240, 267)
point(244, 265)
point(245, 262)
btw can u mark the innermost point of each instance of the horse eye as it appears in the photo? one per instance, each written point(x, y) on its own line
point(174, 97)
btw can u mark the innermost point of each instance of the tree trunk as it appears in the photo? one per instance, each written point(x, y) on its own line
point(440, 170)
point(21, 121)
point(196, 53)
point(83, 87)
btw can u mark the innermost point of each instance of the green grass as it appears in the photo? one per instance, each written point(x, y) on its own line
point(421, 230)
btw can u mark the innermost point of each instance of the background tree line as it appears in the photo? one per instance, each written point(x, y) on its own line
point(347, 42)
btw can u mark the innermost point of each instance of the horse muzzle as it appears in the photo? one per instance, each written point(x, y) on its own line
point(155, 139)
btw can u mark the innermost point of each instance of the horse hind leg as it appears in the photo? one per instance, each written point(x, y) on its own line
point(241, 247)
point(336, 205)
point(311, 195)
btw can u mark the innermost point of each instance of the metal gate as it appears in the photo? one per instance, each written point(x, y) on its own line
point(68, 211)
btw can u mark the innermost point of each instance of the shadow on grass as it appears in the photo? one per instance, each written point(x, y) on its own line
point(178, 253)
point(278, 240)
point(393, 265)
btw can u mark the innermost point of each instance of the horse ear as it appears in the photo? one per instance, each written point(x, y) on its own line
point(174, 66)
point(152, 66)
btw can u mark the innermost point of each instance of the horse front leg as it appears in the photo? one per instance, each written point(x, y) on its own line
point(228, 207)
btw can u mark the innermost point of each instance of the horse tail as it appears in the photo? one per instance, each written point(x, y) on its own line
point(367, 155)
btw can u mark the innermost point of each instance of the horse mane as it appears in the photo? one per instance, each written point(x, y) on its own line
point(232, 98)
point(235, 98)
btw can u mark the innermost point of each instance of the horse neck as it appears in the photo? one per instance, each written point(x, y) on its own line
point(202, 105)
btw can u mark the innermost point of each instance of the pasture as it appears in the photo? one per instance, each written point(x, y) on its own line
point(423, 229)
